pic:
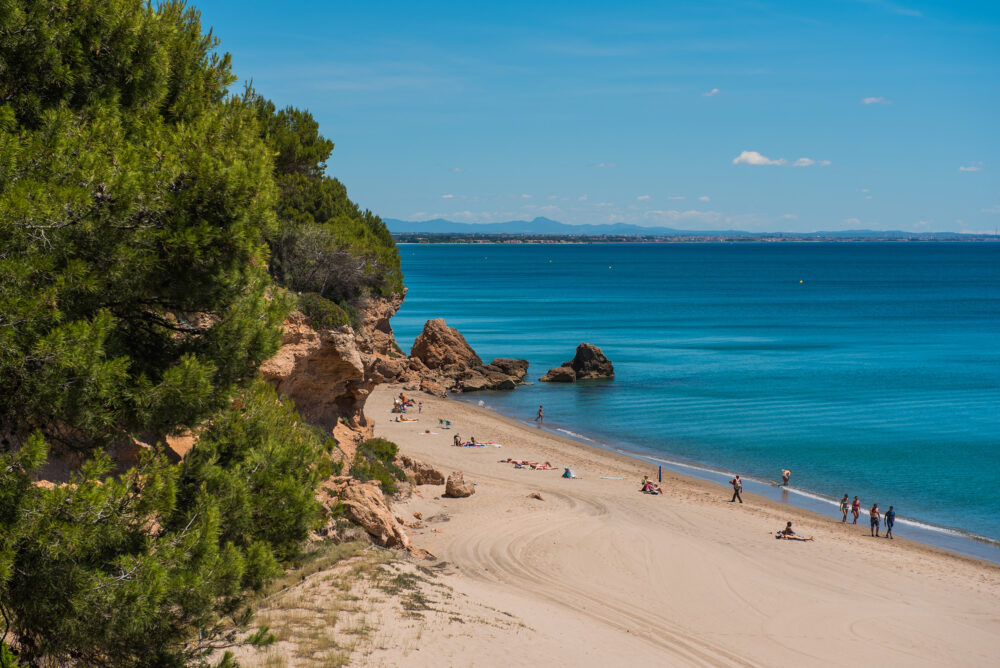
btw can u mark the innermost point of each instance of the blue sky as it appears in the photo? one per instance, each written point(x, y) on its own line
point(762, 116)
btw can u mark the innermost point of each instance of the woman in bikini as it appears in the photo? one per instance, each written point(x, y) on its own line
point(844, 505)
point(856, 509)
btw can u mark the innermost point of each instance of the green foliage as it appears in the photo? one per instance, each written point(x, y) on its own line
point(262, 464)
point(324, 242)
point(7, 657)
point(132, 246)
point(126, 570)
point(324, 313)
point(80, 53)
point(373, 460)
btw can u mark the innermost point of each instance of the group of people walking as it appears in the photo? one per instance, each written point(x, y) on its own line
point(876, 517)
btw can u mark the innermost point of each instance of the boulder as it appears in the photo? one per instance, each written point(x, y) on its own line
point(512, 367)
point(423, 474)
point(456, 486)
point(440, 346)
point(561, 374)
point(590, 362)
point(430, 387)
point(364, 504)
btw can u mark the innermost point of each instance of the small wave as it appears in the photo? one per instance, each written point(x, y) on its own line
point(576, 435)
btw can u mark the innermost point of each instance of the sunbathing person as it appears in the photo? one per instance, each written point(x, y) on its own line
point(542, 467)
point(788, 534)
point(649, 487)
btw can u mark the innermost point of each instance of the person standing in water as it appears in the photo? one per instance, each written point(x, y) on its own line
point(890, 519)
point(844, 507)
point(737, 489)
point(855, 509)
point(875, 518)
point(785, 475)
point(538, 418)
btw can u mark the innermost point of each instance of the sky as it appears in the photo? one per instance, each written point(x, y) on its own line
point(759, 116)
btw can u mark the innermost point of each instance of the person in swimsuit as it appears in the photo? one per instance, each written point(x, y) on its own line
point(856, 509)
point(457, 441)
point(875, 518)
point(539, 417)
point(844, 506)
point(787, 531)
point(890, 519)
point(785, 475)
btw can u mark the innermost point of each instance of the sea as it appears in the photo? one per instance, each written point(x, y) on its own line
point(871, 369)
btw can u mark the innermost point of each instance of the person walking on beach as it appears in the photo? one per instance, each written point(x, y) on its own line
point(538, 418)
point(844, 507)
point(875, 517)
point(737, 489)
point(856, 509)
point(420, 407)
point(890, 519)
point(785, 475)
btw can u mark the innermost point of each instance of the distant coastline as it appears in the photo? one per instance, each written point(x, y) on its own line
point(408, 238)
point(546, 231)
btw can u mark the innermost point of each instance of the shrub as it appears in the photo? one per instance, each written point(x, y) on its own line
point(323, 313)
point(374, 461)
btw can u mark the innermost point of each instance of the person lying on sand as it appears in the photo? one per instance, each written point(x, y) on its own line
point(788, 534)
point(535, 466)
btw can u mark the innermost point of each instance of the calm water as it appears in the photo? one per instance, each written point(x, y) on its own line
point(870, 369)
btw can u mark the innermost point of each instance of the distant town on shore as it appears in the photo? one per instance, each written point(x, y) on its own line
point(546, 231)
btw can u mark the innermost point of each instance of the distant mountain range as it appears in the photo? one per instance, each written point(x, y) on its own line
point(552, 227)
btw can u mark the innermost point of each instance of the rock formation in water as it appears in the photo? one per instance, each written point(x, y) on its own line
point(452, 364)
point(589, 362)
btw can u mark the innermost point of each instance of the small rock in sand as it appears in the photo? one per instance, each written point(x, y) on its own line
point(535, 495)
point(457, 487)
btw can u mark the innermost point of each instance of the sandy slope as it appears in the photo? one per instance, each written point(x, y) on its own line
point(599, 574)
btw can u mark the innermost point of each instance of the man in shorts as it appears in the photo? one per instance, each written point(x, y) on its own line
point(890, 519)
point(875, 517)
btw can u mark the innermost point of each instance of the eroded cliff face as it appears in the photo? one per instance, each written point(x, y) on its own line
point(329, 373)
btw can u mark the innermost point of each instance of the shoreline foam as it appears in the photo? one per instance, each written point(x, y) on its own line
point(594, 573)
point(952, 539)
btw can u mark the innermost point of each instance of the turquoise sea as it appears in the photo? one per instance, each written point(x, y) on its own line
point(871, 369)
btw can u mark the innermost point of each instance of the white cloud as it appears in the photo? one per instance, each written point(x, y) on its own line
point(790, 216)
point(875, 100)
point(526, 196)
point(642, 198)
point(809, 162)
point(712, 93)
point(605, 164)
point(976, 166)
point(755, 158)
point(851, 221)
point(448, 196)
point(604, 204)
point(675, 197)
point(704, 198)
point(865, 190)
point(992, 209)
point(457, 169)
point(581, 198)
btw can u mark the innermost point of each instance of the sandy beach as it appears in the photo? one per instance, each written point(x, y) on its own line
point(597, 574)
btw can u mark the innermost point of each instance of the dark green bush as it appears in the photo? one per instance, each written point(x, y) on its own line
point(374, 461)
point(323, 313)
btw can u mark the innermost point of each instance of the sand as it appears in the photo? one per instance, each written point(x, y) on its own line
point(597, 574)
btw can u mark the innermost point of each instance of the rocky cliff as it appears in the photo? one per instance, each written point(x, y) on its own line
point(329, 373)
